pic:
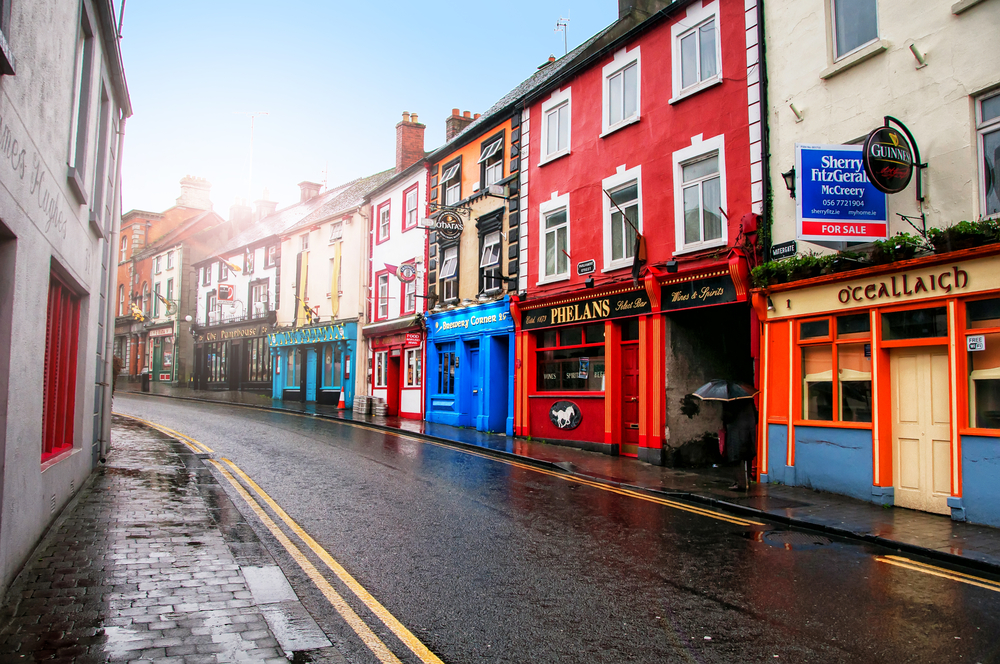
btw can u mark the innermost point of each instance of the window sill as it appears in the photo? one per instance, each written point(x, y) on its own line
point(59, 456)
point(701, 247)
point(552, 280)
point(621, 125)
point(985, 433)
point(76, 184)
point(829, 424)
point(617, 265)
point(409, 228)
point(551, 394)
point(695, 89)
point(963, 5)
point(855, 58)
point(95, 225)
point(552, 157)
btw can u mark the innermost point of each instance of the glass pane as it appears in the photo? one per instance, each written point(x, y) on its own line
point(630, 330)
point(562, 260)
point(616, 236)
point(857, 24)
point(631, 91)
point(689, 60)
point(580, 369)
point(552, 139)
point(632, 214)
point(700, 169)
point(692, 216)
point(626, 194)
point(855, 326)
point(712, 194)
point(991, 176)
point(328, 365)
point(550, 253)
point(707, 50)
point(546, 339)
point(555, 219)
point(817, 382)
point(915, 324)
point(615, 98)
point(814, 329)
point(983, 313)
point(571, 336)
point(854, 373)
point(564, 126)
point(990, 108)
point(594, 333)
point(984, 384)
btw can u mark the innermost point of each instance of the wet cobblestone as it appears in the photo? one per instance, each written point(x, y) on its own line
point(136, 569)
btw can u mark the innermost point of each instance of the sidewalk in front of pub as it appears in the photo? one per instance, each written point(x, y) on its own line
point(151, 562)
point(933, 536)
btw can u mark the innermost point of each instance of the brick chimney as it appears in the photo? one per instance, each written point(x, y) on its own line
point(263, 207)
point(409, 142)
point(240, 214)
point(458, 121)
point(195, 193)
point(308, 190)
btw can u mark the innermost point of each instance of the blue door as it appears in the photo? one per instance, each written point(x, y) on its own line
point(311, 370)
point(476, 383)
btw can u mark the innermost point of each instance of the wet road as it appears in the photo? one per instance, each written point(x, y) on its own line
point(485, 561)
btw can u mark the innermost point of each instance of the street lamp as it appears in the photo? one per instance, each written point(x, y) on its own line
point(789, 178)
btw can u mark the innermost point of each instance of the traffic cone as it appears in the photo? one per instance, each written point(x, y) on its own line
point(341, 403)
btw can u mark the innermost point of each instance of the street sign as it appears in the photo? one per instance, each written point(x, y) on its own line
point(586, 267)
point(783, 250)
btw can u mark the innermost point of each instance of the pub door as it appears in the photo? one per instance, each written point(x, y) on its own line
point(393, 378)
point(630, 399)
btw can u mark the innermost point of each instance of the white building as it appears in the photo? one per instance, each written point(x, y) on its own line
point(63, 101)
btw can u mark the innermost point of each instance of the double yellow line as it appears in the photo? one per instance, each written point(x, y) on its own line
point(924, 568)
point(198, 448)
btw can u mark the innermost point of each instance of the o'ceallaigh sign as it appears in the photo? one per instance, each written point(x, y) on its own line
point(905, 285)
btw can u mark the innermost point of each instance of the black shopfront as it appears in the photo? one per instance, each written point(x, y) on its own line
point(234, 356)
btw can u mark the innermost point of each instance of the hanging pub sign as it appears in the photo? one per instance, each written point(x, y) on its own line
point(611, 305)
point(448, 225)
point(406, 272)
point(835, 201)
point(888, 160)
point(698, 293)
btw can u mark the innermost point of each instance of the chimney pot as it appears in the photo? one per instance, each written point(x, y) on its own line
point(476, 116)
point(552, 58)
point(406, 116)
point(413, 118)
point(466, 114)
point(455, 111)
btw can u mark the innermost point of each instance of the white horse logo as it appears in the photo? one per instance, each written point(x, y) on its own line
point(564, 417)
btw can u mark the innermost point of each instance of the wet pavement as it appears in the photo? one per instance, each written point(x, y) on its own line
point(487, 556)
point(931, 535)
point(151, 562)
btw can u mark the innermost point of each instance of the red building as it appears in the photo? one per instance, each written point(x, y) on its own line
point(653, 130)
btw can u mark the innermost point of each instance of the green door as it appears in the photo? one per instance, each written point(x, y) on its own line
point(157, 358)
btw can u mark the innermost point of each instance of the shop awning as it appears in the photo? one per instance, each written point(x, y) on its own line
point(391, 326)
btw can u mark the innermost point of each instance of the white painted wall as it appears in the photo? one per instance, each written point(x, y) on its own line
point(935, 101)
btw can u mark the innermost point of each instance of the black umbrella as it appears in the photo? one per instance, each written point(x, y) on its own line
point(724, 390)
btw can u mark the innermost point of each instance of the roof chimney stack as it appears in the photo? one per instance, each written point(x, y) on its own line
point(240, 214)
point(454, 125)
point(264, 207)
point(409, 142)
point(195, 193)
point(308, 190)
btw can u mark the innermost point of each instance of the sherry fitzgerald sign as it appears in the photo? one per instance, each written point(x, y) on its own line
point(615, 305)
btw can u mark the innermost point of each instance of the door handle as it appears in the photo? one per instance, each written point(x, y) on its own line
point(633, 426)
point(633, 398)
point(475, 391)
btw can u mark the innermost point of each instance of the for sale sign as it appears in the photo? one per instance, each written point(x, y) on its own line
point(835, 200)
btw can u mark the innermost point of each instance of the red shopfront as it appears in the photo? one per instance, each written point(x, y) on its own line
point(593, 368)
point(396, 366)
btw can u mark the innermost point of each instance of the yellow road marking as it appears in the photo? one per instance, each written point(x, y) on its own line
point(397, 628)
point(579, 480)
point(369, 637)
point(195, 446)
point(916, 566)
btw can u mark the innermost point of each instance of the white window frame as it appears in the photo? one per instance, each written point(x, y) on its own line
point(336, 231)
point(156, 300)
point(551, 206)
point(170, 260)
point(124, 254)
point(697, 16)
point(410, 213)
point(445, 258)
point(416, 355)
point(622, 177)
point(380, 362)
point(384, 221)
point(157, 268)
point(223, 270)
point(382, 295)
point(492, 160)
point(698, 149)
point(837, 55)
point(491, 250)
point(121, 299)
point(304, 242)
point(623, 60)
point(551, 105)
point(272, 256)
point(410, 296)
point(452, 193)
point(982, 129)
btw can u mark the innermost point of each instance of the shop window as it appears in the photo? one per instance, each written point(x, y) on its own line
point(258, 360)
point(332, 366)
point(915, 324)
point(451, 183)
point(983, 344)
point(59, 393)
point(988, 129)
point(216, 365)
point(413, 368)
point(844, 395)
point(292, 368)
point(556, 134)
point(491, 161)
point(381, 361)
point(575, 363)
point(410, 208)
point(447, 364)
point(855, 24)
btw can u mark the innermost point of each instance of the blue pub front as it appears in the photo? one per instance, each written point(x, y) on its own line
point(315, 363)
point(470, 367)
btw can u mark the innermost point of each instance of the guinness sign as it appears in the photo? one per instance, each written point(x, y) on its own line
point(888, 160)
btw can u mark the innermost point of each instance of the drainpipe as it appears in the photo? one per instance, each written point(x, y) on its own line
point(109, 325)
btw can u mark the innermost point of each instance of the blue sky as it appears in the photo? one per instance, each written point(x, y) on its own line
point(334, 79)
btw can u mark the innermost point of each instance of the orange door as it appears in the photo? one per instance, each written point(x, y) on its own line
point(630, 399)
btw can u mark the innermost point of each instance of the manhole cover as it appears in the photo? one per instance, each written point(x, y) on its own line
point(794, 538)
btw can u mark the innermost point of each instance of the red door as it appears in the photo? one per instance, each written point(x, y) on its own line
point(630, 399)
point(392, 382)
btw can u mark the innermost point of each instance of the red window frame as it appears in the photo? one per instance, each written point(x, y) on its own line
point(378, 223)
point(62, 331)
point(408, 226)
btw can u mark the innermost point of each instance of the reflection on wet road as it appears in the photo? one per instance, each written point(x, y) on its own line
point(484, 560)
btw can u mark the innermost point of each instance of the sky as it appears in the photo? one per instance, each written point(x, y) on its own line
point(334, 79)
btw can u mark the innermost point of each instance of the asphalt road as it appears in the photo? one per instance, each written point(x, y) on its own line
point(485, 561)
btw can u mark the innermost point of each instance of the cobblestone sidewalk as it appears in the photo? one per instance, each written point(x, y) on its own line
point(139, 568)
